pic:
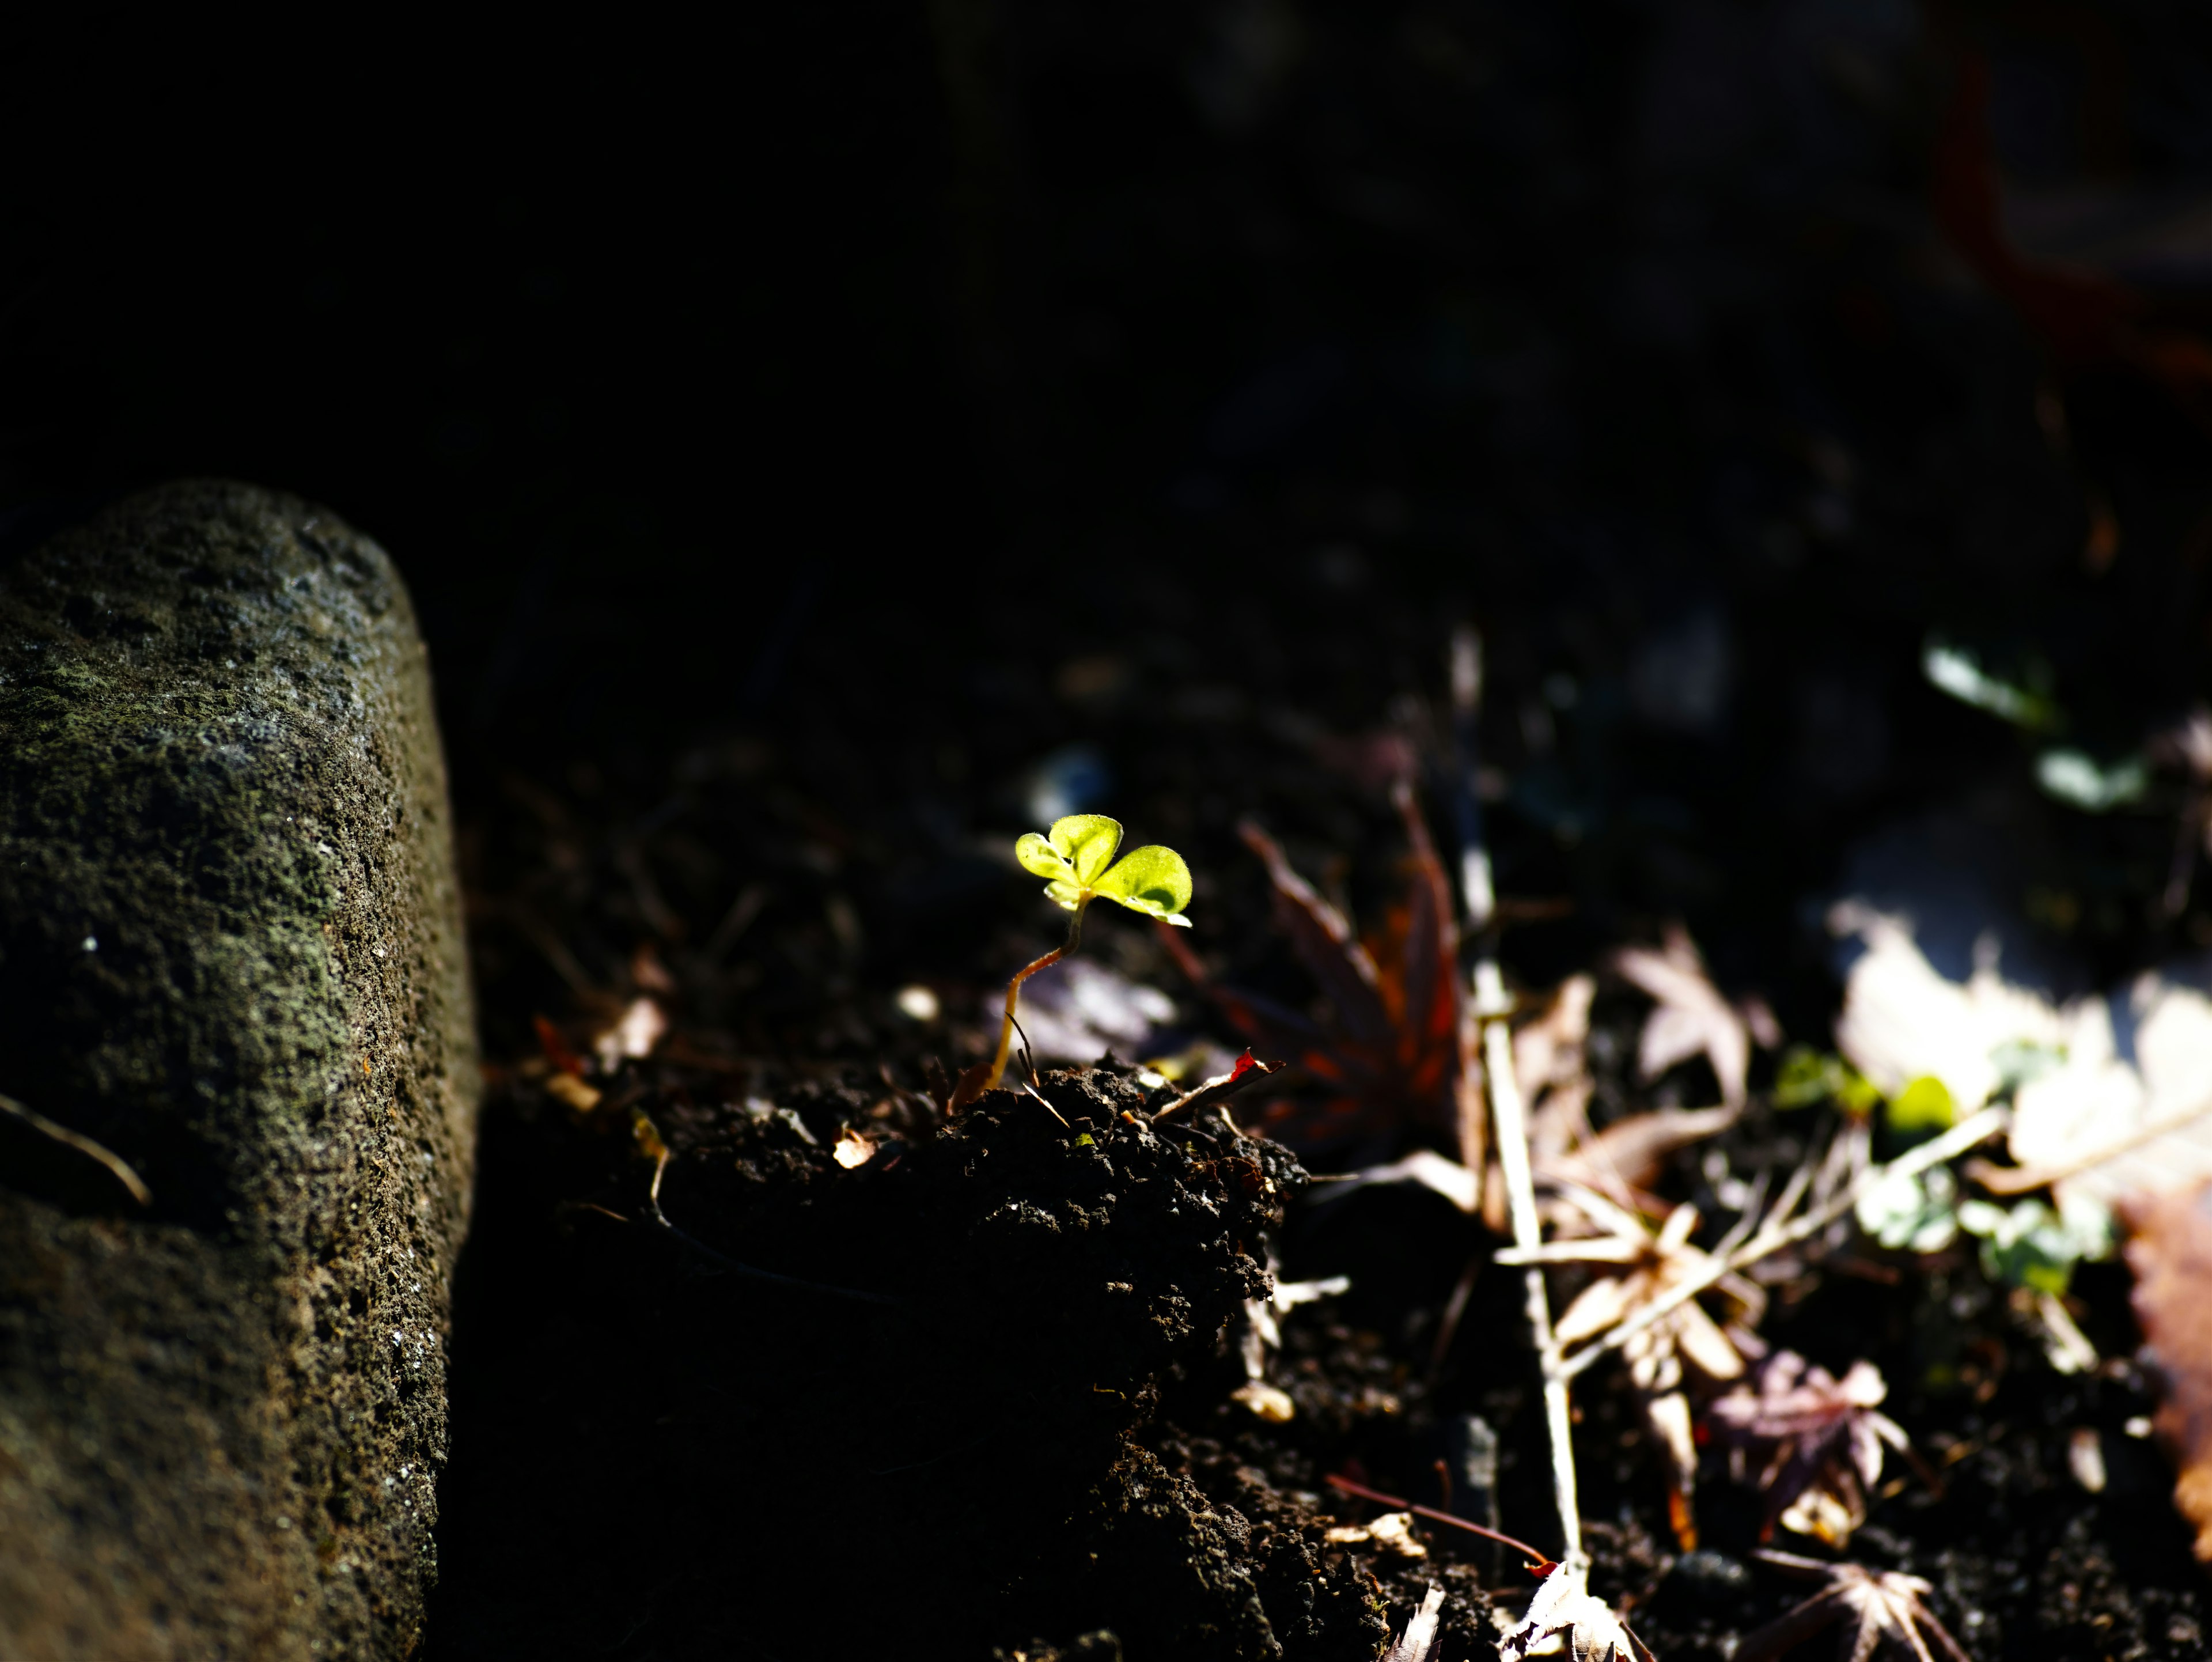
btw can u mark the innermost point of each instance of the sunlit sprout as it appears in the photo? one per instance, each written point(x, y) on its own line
point(1076, 858)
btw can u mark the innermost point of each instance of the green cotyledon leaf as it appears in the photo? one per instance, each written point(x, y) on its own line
point(1040, 859)
point(1154, 880)
point(1088, 842)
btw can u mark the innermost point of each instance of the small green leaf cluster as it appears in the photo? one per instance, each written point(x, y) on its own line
point(1808, 1078)
point(1077, 856)
point(2024, 1245)
point(2028, 1244)
point(1912, 1214)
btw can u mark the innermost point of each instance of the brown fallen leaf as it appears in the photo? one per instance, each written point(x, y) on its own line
point(2170, 1250)
point(1692, 1017)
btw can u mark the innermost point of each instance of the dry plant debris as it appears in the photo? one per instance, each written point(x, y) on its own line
point(1418, 1643)
point(1875, 1605)
point(1692, 1017)
point(1821, 1438)
point(1646, 1265)
point(1564, 1605)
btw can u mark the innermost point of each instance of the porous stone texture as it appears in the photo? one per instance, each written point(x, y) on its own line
point(231, 954)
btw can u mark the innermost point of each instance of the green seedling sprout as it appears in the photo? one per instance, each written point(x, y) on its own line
point(1076, 858)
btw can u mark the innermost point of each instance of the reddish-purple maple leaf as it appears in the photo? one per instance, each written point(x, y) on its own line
point(1821, 1437)
point(1387, 1052)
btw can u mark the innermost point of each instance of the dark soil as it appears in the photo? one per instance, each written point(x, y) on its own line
point(948, 1428)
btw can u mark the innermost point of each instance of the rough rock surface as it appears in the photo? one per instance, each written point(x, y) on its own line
point(231, 954)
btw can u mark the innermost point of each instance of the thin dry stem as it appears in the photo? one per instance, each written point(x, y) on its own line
point(1509, 1116)
point(1397, 1504)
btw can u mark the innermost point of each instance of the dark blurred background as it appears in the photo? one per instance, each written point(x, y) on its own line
point(924, 387)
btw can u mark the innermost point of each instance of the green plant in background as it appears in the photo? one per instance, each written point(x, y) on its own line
point(1808, 1078)
point(1911, 1213)
point(1922, 1108)
point(2028, 1244)
point(1076, 858)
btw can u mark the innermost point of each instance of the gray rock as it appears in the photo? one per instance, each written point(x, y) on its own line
point(231, 956)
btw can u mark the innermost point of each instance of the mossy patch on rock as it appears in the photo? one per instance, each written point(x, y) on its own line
point(230, 952)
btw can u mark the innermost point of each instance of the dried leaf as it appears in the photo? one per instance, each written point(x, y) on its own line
point(1387, 1055)
point(1633, 1151)
point(1646, 1265)
point(1393, 1531)
point(2147, 1113)
point(1902, 1021)
point(2170, 1250)
point(852, 1148)
point(1551, 1051)
point(1821, 1438)
point(1564, 1605)
point(1693, 1018)
point(1878, 1605)
point(1423, 1633)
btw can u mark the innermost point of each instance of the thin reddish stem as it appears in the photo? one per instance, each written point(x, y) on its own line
point(1537, 1560)
point(1014, 993)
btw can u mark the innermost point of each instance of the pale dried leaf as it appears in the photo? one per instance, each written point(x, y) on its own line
point(1902, 1020)
point(2099, 1095)
point(1668, 1416)
point(1564, 1605)
point(1692, 1017)
point(1877, 1605)
point(1550, 1050)
point(575, 1091)
point(1603, 1304)
point(1634, 1150)
point(1422, 1636)
point(1701, 1340)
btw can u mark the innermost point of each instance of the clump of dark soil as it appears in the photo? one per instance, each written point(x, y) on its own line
point(829, 1408)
